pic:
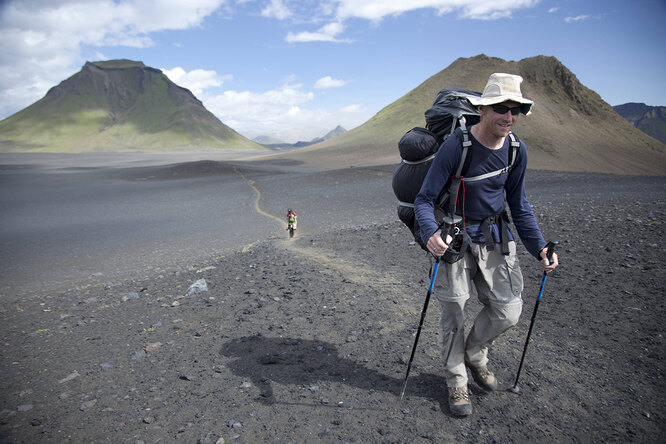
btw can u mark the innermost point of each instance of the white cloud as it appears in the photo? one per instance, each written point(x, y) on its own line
point(376, 10)
point(338, 11)
point(283, 113)
point(577, 18)
point(244, 110)
point(42, 41)
point(356, 108)
point(276, 9)
point(329, 82)
point(326, 33)
point(551, 10)
point(196, 80)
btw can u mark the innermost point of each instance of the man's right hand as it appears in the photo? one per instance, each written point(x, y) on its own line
point(436, 244)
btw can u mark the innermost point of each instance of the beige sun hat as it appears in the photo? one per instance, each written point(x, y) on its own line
point(500, 88)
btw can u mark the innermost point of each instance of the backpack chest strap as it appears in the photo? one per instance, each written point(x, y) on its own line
point(515, 144)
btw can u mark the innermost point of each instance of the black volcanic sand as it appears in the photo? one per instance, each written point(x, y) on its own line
point(306, 340)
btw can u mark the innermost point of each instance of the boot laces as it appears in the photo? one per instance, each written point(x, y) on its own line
point(484, 373)
point(458, 394)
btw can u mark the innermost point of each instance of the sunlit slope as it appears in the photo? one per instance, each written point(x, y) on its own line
point(570, 129)
point(118, 105)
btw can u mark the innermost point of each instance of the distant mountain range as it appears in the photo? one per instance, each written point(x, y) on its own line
point(278, 144)
point(123, 105)
point(267, 140)
point(571, 127)
point(649, 119)
point(118, 105)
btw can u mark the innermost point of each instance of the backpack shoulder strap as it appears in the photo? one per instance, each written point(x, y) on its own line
point(452, 185)
point(463, 135)
point(463, 163)
point(515, 146)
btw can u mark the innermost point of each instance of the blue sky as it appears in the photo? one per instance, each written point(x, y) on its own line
point(294, 69)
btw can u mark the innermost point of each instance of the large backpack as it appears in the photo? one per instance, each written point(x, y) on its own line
point(451, 111)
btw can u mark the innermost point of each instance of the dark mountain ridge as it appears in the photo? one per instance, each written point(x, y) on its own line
point(649, 119)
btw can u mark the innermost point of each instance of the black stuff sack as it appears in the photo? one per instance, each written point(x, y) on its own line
point(417, 150)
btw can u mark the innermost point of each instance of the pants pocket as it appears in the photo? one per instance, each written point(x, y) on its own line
point(513, 270)
point(453, 281)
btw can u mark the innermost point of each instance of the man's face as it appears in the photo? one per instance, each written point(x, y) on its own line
point(500, 118)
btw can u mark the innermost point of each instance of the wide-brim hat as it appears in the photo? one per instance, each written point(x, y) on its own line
point(500, 88)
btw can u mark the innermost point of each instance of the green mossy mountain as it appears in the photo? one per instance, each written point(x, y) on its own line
point(116, 106)
point(571, 128)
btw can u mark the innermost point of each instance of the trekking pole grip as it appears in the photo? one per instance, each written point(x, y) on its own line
point(551, 249)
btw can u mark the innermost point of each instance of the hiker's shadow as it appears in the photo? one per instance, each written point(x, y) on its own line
point(304, 361)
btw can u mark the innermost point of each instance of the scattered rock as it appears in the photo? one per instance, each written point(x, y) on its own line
point(152, 347)
point(86, 405)
point(138, 355)
point(69, 377)
point(197, 287)
point(130, 295)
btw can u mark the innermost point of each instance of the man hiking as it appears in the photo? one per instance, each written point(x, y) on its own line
point(489, 263)
point(292, 221)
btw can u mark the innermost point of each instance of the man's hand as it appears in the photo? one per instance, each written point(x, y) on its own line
point(546, 265)
point(436, 244)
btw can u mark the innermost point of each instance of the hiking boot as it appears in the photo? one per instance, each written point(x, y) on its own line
point(482, 376)
point(459, 402)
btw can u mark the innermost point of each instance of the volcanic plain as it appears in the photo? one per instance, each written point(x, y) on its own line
point(147, 301)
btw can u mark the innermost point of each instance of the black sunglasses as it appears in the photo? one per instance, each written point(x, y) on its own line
point(502, 109)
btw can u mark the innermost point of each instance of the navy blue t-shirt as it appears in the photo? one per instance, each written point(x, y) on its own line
point(482, 198)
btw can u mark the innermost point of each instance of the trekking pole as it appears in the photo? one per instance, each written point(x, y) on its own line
point(418, 332)
point(549, 255)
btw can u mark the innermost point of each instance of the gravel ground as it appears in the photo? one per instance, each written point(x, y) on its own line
point(306, 340)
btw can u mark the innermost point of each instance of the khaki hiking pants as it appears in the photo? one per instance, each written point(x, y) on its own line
point(498, 283)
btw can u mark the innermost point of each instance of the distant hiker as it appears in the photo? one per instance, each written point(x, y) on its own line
point(292, 221)
point(488, 258)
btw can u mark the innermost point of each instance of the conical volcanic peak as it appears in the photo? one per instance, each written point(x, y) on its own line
point(571, 128)
point(118, 105)
point(117, 64)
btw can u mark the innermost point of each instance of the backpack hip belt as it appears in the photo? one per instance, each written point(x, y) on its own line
point(503, 221)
